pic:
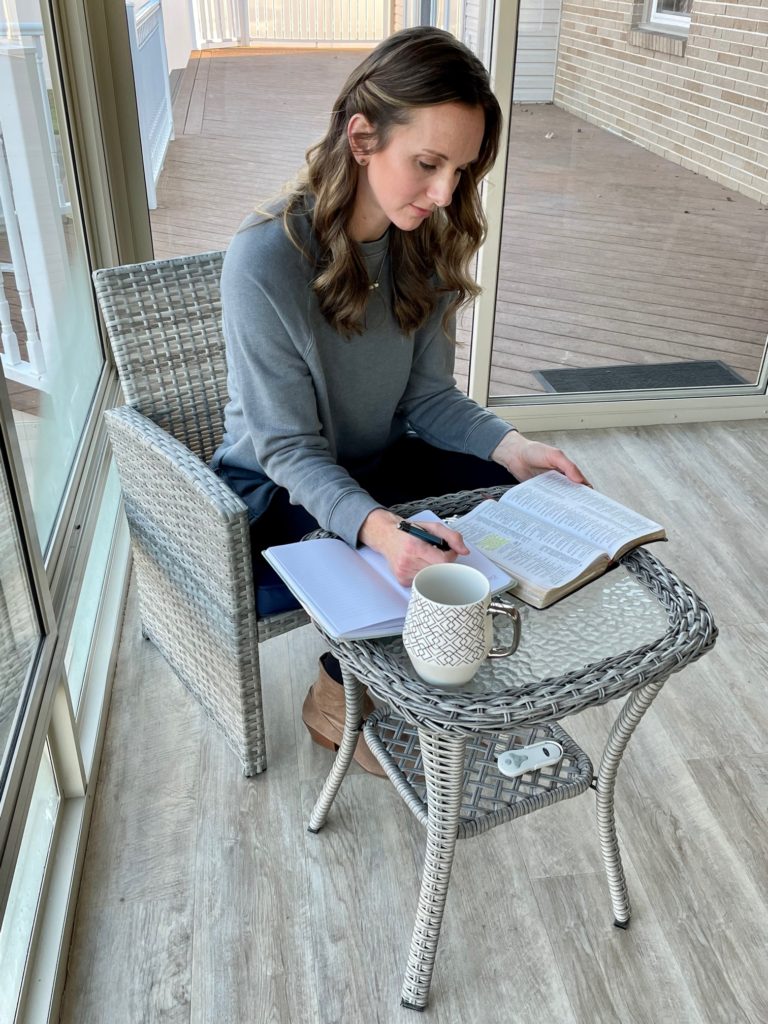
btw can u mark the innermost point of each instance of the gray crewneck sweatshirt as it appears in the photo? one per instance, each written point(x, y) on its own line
point(306, 404)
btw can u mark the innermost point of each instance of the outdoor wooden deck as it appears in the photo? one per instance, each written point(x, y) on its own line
point(611, 255)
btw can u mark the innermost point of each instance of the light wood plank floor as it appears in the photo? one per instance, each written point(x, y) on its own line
point(204, 899)
point(610, 254)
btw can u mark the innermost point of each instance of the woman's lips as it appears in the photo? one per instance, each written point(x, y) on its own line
point(421, 211)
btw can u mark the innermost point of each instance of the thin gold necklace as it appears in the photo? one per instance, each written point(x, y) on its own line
point(375, 284)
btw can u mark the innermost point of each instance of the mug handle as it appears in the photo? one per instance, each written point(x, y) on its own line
point(502, 608)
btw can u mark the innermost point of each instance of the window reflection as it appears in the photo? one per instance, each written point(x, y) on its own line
point(49, 342)
point(19, 628)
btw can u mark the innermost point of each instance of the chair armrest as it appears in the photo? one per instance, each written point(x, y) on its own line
point(189, 530)
point(191, 548)
point(130, 432)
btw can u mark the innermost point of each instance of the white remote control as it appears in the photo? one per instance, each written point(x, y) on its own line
point(529, 759)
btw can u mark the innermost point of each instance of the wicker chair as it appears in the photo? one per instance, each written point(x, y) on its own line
point(189, 531)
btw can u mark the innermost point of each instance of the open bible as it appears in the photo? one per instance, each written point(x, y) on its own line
point(554, 536)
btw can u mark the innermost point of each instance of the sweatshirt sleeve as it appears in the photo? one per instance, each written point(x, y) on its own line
point(279, 407)
point(434, 406)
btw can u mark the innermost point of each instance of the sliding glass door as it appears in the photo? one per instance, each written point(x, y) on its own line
point(620, 270)
point(632, 228)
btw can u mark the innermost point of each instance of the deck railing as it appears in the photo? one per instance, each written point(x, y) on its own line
point(291, 22)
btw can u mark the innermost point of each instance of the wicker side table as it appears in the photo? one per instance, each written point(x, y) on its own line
point(621, 636)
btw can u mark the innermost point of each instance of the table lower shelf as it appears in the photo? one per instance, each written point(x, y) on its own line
point(489, 798)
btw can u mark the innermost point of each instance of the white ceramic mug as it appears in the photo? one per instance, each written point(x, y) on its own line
point(448, 627)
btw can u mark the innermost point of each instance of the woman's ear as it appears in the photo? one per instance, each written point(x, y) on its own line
point(360, 133)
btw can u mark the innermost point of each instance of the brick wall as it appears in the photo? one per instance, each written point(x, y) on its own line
point(703, 104)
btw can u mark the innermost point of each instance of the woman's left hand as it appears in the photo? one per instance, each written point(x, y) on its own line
point(525, 458)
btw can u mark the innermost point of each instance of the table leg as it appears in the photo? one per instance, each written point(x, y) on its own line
point(634, 708)
point(443, 758)
point(353, 720)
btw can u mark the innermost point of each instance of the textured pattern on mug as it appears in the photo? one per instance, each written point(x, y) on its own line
point(446, 636)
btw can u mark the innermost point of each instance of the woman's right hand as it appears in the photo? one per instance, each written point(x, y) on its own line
point(406, 554)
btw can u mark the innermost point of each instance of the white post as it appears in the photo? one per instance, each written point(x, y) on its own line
point(61, 183)
point(245, 23)
point(144, 127)
point(153, 92)
point(166, 79)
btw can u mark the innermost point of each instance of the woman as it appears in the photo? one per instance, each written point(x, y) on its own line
point(339, 309)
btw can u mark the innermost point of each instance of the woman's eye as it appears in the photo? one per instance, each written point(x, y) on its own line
point(426, 167)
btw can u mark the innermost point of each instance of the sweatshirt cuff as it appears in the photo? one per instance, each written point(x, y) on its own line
point(483, 440)
point(349, 513)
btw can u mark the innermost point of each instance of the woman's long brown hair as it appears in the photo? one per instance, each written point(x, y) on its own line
point(418, 67)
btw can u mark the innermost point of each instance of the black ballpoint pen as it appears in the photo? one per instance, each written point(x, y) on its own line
point(425, 535)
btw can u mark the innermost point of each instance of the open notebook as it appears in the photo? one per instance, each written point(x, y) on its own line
point(351, 592)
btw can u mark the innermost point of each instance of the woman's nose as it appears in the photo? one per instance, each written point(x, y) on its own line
point(441, 189)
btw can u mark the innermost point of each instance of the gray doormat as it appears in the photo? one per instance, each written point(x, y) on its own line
point(640, 376)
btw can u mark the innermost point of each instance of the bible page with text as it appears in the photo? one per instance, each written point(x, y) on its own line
point(532, 550)
point(589, 515)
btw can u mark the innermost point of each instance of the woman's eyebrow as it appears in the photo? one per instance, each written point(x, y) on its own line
point(442, 156)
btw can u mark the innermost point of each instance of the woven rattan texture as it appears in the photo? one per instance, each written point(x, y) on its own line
point(690, 633)
point(189, 531)
point(489, 798)
point(164, 325)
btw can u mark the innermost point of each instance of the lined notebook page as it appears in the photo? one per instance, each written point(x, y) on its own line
point(337, 586)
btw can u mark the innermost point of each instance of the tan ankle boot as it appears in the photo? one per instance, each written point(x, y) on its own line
point(323, 715)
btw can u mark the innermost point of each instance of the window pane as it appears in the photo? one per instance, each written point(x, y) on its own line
point(51, 350)
point(19, 627)
point(673, 6)
point(633, 254)
point(16, 930)
point(80, 638)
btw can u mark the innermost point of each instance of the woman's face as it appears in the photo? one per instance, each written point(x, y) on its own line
point(417, 171)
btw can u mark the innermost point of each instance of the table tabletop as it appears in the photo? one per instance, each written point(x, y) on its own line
point(636, 624)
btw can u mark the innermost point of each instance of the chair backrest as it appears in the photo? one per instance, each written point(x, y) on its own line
point(164, 324)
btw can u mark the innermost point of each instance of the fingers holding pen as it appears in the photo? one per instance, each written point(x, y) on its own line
point(405, 551)
point(424, 544)
point(436, 535)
